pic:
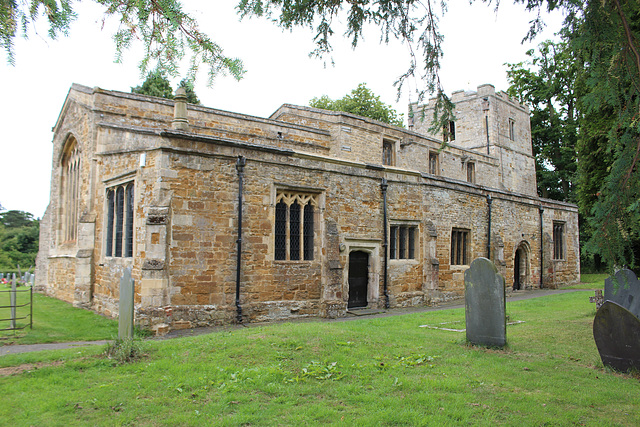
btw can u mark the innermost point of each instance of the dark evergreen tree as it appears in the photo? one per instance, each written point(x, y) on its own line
point(192, 98)
point(605, 41)
point(156, 84)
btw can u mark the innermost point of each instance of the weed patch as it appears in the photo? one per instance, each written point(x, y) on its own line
point(124, 351)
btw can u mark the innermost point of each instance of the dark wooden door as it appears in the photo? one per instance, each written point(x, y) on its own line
point(358, 279)
point(516, 271)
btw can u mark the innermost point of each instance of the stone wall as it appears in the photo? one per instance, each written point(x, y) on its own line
point(482, 122)
point(186, 212)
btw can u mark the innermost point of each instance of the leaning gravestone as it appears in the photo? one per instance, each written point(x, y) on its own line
point(616, 326)
point(125, 318)
point(617, 334)
point(624, 289)
point(485, 304)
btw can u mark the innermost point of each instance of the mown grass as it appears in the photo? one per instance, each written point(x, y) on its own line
point(57, 321)
point(53, 321)
point(589, 281)
point(369, 371)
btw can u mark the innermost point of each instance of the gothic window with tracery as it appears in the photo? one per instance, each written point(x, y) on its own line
point(119, 236)
point(70, 189)
point(294, 226)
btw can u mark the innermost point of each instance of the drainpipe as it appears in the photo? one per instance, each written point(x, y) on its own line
point(541, 248)
point(385, 243)
point(489, 201)
point(240, 168)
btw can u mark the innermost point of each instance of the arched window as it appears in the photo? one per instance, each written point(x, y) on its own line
point(69, 190)
point(119, 226)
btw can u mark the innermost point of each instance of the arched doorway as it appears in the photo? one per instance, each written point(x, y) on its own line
point(521, 275)
point(358, 279)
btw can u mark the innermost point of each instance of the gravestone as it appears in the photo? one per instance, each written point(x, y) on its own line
point(484, 294)
point(125, 318)
point(617, 334)
point(624, 289)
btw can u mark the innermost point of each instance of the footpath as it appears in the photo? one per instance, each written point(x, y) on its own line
point(354, 314)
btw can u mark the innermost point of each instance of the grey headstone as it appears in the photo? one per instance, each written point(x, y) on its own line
point(125, 319)
point(624, 289)
point(33, 279)
point(484, 294)
point(617, 334)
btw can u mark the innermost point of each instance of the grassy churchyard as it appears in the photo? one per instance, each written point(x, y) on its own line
point(368, 371)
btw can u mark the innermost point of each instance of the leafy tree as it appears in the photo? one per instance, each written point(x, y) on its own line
point(19, 234)
point(546, 84)
point(362, 102)
point(165, 30)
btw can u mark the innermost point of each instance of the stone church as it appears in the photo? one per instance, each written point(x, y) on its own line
point(225, 217)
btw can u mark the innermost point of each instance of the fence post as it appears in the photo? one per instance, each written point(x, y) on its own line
point(31, 306)
point(13, 301)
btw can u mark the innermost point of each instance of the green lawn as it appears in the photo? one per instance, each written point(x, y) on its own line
point(53, 321)
point(57, 321)
point(589, 281)
point(369, 371)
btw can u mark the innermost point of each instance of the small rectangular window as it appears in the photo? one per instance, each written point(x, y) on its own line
point(471, 172)
point(512, 130)
point(558, 240)
point(459, 247)
point(387, 153)
point(433, 163)
point(449, 132)
point(119, 221)
point(402, 241)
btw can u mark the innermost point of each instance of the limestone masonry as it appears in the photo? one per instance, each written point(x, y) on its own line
point(338, 211)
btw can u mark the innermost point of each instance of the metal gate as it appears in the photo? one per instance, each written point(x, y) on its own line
point(14, 306)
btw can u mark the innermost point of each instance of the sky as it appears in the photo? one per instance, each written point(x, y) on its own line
point(478, 41)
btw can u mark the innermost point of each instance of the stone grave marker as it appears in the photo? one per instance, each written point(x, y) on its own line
point(624, 289)
point(125, 318)
point(617, 334)
point(485, 304)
